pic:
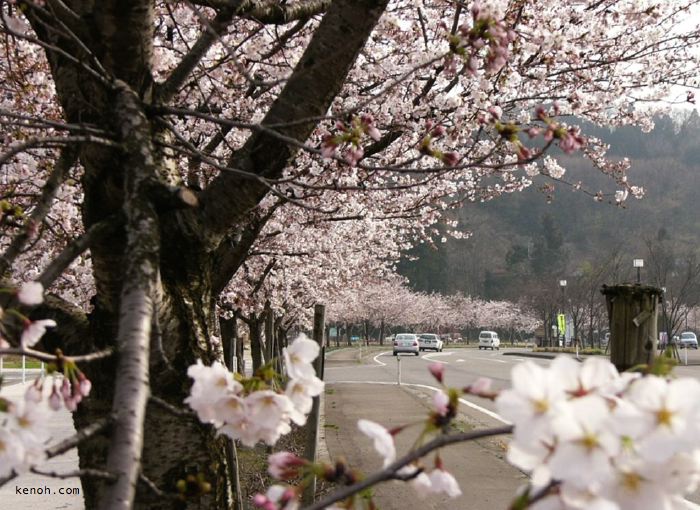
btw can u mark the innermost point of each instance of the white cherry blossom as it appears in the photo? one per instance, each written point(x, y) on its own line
point(34, 330)
point(31, 294)
point(532, 400)
point(302, 391)
point(383, 441)
point(12, 452)
point(298, 357)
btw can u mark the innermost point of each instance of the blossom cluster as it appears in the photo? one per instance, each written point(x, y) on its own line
point(350, 136)
point(253, 410)
point(485, 31)
point(29, 295)
point(23, 432)
point(601, 438)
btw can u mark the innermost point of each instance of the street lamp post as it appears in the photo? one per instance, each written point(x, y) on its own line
point(562, 286)
point(639, 264)
point(665, 317)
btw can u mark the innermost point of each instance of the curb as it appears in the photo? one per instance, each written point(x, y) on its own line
point(544, 355)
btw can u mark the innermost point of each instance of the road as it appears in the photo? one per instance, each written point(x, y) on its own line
point(367, 388)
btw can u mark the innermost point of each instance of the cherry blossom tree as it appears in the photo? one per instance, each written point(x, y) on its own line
point(150, 148)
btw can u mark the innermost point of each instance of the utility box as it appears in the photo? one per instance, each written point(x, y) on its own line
point(632, 312)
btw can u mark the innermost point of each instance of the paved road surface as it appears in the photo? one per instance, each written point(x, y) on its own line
point(368, 388)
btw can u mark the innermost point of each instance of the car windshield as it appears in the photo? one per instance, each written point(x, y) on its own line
point(688, 335)
point(404, 337)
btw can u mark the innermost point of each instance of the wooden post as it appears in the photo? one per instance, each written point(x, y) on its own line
point(632, 312)
point(313, 422)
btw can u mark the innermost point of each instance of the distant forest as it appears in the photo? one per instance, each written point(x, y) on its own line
point(522, 244)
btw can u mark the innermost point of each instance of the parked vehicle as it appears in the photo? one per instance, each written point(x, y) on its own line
point(406, 342)
point(688, 340)
point(489, 340)
point(429, 341)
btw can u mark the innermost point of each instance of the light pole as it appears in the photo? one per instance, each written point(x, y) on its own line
point(639, 264)
point(665, 317)
point(562, 286)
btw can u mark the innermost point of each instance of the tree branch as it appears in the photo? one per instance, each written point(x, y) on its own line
point(309, 92)
point(76, 247)
point(95, 473)
point(271, 12)
point(211, 32)
point(52, 358)
point(68, 157)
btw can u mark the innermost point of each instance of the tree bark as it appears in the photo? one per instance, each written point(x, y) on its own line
point(256, 348)
point(169, 302)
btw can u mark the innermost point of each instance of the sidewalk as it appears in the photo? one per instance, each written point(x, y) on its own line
point(30, 491)
point(486, 480)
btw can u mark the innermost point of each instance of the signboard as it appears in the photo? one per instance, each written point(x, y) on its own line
point(561, 323)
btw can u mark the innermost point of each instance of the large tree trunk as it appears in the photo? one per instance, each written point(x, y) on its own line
point(256, 345)
point(116, 42)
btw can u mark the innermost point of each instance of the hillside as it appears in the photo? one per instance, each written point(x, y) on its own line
point(511, 234)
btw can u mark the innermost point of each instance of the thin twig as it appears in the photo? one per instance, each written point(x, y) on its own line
point(77, 246)
point(93, 473)
point(52, 358)
point(177, 411)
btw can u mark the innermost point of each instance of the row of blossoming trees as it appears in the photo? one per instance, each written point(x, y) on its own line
point(390, 304)
point(164, 163)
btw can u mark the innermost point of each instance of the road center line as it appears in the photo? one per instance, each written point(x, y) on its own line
point(491, 359)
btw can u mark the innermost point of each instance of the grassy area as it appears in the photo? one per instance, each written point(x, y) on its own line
point(16, 362)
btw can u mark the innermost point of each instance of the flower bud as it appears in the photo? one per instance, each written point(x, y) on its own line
point(66, 391)
point(55, 400)
point(437, 370)
point(84, 385)
point(33, 393)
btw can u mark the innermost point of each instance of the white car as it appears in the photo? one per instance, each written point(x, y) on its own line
point(406, 342)
point(489, 340)
point(429, 341)
point(688, 340)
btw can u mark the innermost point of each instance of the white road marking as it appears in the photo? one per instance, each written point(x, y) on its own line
point(466, 402)
point(491, 359)
point(381, 354)
point(428, 357)
point(460, 361)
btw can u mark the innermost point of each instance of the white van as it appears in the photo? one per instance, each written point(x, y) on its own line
point(489, 340)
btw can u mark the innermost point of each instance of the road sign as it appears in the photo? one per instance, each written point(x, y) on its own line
point(561, 323)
